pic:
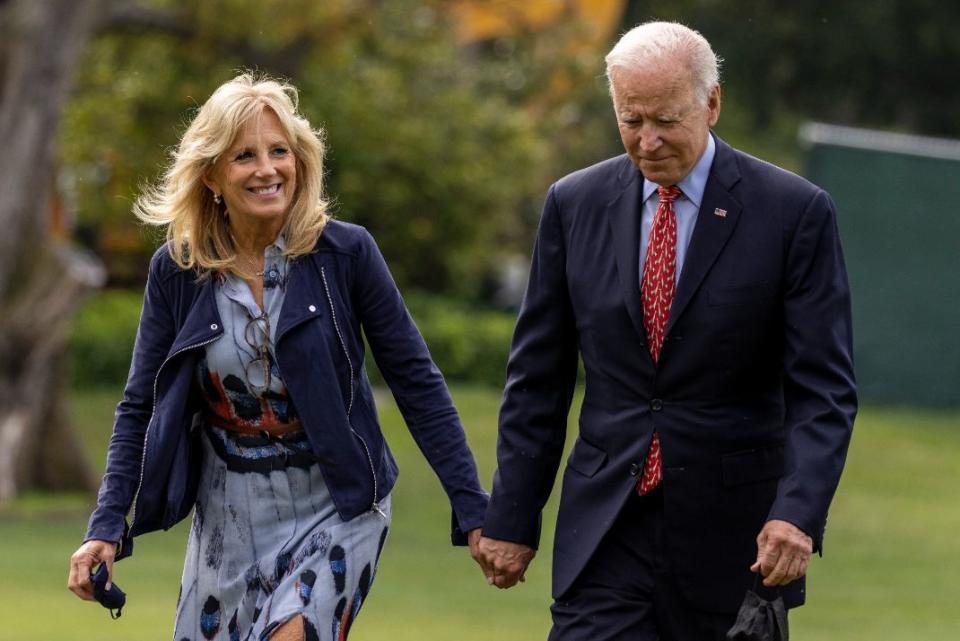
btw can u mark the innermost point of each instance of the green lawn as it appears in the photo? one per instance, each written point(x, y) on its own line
point(890, 569)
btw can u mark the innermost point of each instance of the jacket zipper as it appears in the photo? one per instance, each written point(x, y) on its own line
point(375, 507)
point(146, 434)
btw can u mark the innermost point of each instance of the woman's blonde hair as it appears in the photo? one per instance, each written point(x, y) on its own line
point(198, 230)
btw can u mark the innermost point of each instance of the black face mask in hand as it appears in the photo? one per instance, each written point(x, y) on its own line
point(760, 620)
point(112, 599)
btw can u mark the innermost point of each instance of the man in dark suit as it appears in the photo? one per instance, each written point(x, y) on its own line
point(706, 293)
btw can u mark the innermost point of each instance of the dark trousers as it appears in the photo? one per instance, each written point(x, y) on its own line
point(627, 593)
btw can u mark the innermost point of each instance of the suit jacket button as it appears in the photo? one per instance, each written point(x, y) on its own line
point(634, 469)
point(656, 405)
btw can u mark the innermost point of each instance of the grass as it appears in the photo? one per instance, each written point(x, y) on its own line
point(889, 571)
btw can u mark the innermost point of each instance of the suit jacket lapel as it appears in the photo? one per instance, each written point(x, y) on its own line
point(718, 215)
point(624, 217)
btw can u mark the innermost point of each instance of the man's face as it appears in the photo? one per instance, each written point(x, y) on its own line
point(663, 126)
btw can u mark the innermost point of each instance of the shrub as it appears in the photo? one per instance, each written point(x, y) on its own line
point(102, 338)
point(469, 344)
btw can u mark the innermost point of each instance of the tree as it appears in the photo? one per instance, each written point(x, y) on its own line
point(41, 280)
point(424, 150)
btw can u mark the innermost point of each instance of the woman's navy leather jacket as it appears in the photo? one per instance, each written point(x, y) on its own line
point(153, 462)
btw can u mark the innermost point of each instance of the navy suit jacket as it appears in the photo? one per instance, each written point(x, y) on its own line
point(754, 395)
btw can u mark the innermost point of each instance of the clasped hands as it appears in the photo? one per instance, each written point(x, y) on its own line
point(503, 563)
point(783, 555)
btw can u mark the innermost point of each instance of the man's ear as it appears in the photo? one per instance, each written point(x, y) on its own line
point(713, 105)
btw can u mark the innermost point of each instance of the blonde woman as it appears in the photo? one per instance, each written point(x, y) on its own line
point(247, 397)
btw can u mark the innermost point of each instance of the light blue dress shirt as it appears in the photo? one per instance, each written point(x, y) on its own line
point(685, 207)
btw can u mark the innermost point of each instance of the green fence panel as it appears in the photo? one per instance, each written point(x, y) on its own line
point(898, 203)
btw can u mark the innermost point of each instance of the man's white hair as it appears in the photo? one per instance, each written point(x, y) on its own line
point(652, 42)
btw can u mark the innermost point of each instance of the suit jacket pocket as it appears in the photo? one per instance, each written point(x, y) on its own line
point(586, 458)
point(752, 466)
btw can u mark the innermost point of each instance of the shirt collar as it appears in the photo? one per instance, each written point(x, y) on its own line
point(232, 284)
point(695, 182)
point(278, 246)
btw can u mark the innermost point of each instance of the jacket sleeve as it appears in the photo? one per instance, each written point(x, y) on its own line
point(155, 335)
point(418, 387)
point(819, 387)
point(541, 375)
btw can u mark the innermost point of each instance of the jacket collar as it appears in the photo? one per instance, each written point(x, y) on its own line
point(302, 301)
point(718, 215)
point(304, 298)
point(202, 323)
point(625, 229)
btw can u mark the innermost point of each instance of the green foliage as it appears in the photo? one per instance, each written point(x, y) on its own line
point(467, 343)
point(876, 64)
point(443, 150)
point(431, 165)
point(431, 147)
point(102, 338)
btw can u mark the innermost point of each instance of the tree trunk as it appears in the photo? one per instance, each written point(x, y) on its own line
point(41, 281)
point(38, 448)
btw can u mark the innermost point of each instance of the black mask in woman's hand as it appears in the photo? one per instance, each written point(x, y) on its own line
point(112, 599)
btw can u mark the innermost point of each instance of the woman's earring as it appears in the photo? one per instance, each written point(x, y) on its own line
point(216, 198)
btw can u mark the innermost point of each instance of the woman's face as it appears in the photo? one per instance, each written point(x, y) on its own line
point(257, 174)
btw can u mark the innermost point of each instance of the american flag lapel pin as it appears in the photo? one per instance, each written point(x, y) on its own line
point(720, 213)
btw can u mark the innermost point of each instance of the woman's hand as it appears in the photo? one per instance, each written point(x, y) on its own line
point(81, 566)
point(473, 540)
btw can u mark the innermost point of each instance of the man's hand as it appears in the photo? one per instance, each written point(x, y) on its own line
point(783, 553)
point(503, 563)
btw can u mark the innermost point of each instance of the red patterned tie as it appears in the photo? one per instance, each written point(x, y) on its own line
point(659, 269)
